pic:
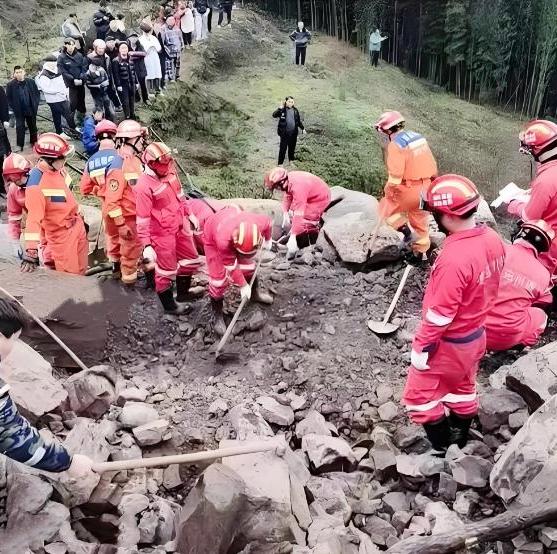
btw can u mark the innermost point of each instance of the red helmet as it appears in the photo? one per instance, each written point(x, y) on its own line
point(106, 127)
point(51, 145)
point(388, 120)
point(246, 238)
point(276, 178)
point(130, 129)
point(537, 136)
point(452, 195)
point(157, 156)
point(538, 233)
point(15, 167)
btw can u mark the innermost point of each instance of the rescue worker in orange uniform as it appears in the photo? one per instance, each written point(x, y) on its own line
point(539, 140)
point(411, 167)
point(53, 210)
point(232, 237)
point(451, 340)
point(306, 196)
point(164, 227)
point(16, 171)
point(516, 317)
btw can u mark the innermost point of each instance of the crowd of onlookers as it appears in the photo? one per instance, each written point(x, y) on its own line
point(118, 66)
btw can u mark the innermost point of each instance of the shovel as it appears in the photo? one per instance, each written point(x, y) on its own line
point(384, 327)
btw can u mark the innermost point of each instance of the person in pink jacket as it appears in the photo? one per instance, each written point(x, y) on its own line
point(306, 196)
point(516, 318)
point(450, 340)
point(164, 228)
point(231, 240)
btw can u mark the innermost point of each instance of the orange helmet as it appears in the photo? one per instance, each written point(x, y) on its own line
point(276, 178)
point(51, 145)
point(158, 157)
point(246, 238)
point(130, 129)
point(106, 127)
point(538, 233)
point(388, 120)
point(537, 136)
point(15, 167)
point(452, 195)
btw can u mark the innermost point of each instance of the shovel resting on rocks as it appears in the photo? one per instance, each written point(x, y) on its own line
point(384, 327)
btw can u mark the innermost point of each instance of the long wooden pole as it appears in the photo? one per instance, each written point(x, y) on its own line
point(204, 456)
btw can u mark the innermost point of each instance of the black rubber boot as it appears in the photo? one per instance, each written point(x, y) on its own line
point(116, 271)
point(183, 283)
point(150, 279)
point(169, 304)
point(219, 326)
point(459, 429)
point(257, 295)
point(439, 435)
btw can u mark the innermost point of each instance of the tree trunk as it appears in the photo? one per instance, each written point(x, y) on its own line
point(299, 9)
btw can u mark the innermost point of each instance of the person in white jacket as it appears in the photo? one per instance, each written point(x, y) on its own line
point(56, 95)
point(152, 47)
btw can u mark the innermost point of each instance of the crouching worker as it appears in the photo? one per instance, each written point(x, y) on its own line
point(440, 391)
point(306, 196)
point(164, 228)
point(232, 238)
point(18, 439)
point(525, 283)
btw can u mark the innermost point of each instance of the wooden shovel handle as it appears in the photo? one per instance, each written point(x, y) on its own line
point(397, 293)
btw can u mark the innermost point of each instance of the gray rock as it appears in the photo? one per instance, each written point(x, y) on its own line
point(383, 454)
point(419, 465)
point(131, 394)
point(171, 477)
point(466, 502)
point(384, 393)
point(548, 536)
point(248, 423)
point(388, 411)
point(530, 548)
point(442, 518)
point(379, 530)
point(133, 504)
point(148, 527)
point(274, 412)
point(495, 407)
point(400, 520)
point(352, 201)
point(485, 215)
point(518, 420)
point(297, 402)
point(420, 525)
point(152, 433)
point(330, 495)
point(257, 320)
point(447, 487)
point(166, 520)
point(395, 502)
point(135, 414)
point(315, 423)
point(328, 453)
point(471, 471)
point(91, 392)
point(218, 407)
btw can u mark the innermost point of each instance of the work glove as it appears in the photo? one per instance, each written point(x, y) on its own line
point(509, 193)
point(268, 244)
point(245, 292)
point(419, 360)
point(125, 232)
point(6, 124)
point(285, 220)
point(149, 254)
point(77, 82)
point(119, 89)
point(292, 247)
point(304, 132)
point(30, 260)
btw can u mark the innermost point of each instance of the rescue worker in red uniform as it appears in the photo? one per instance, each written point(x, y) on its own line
point(16, 171)
point(411, 167)
point(199, 210)
point(232, 238)
point(306, 196)
point(164, 228)
point(539, 140)
point(450, 340)
point(53, 210)
point(525, 284)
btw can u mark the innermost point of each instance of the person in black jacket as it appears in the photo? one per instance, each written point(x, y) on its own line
point(288, 125)
point(102, 19)
point(125, 79)
point(23, 97)
point(137, 55)
point(73, 65)
point(5, 148)
point(301, 36)
point(225, 6)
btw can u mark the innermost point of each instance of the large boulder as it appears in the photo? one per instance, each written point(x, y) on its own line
point(496, 406)
point(96, 237)
point(351, 201)
point(32, 386)
point(328, 453)
point(248, 423)
point(485, 215)
point(526, 473)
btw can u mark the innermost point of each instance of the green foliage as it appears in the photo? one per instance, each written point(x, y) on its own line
point(456, 31)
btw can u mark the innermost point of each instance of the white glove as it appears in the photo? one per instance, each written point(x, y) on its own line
point(6, 124)
point(419, 360)
point(245, 292)
point(285, 220)
point(268, 244)
point(149, 254)
point(292, 246)
point(508, 194)
point(77, 82)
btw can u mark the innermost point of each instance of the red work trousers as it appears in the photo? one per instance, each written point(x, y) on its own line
point(528, 335)
point(69, 248)
point(125, 251)
point(176, 255)
point(401, 205)
point(449, 384)
point(219, 278)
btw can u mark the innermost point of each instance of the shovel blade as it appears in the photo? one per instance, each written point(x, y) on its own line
point(380, 328)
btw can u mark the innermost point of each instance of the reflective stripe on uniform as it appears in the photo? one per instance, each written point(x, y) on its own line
point(231, 267)
point(417, 144)
point(218, 282)
point(437, 319)
point(54, 192)
point(15, 217)
point(160, 190)
point(115, 213)
point(130, 278)
point(31, 236)
point(395, 180)
point(247, 267)
point(447, 399)
point(4, 390)
point(36, 457)
point(131, 176)
point(184, 263)
point(143, 220)
point(164, 272)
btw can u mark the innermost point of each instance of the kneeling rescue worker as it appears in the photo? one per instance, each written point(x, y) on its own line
point(232, 238)
point(164, 228)
point(306, 196)
point(450, 340)
point(525, 284)
point(411, 168)
point(53, 210)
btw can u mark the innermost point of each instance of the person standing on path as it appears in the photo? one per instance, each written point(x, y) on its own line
point(23, 97)
point(5, 147)
point(202, 11)
point(152, 47)
point(225, 7)
point(71, 29)
point(99, 55)
point(173, 44)
point(375, 42)
point(125, 79)
point(301, 37)
point(102, 19)
point(288, 125)
point(73, 66)
point(138, 55)
point(187, 24)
